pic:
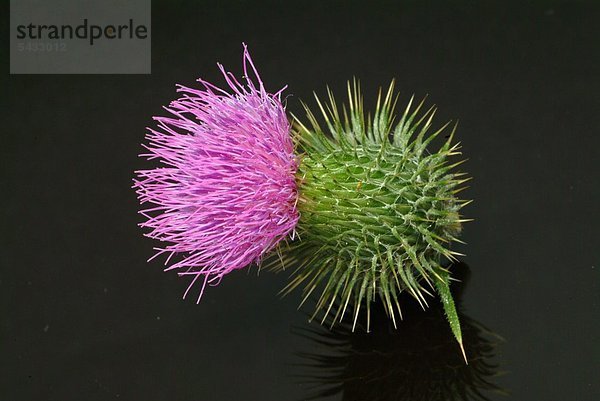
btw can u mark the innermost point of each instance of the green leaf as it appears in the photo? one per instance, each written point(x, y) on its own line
point(443, 289)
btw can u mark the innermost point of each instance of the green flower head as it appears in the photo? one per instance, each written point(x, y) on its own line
point(378, 208)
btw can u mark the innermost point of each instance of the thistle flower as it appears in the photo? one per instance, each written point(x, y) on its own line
point(225, 193)
point(378, 208)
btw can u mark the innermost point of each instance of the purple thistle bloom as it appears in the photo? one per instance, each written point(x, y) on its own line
point(226, 193)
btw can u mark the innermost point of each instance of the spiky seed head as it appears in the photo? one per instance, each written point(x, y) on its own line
point(225, 193)
point(378, 207)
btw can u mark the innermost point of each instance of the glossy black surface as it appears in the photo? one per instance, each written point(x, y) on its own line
point(84, 317)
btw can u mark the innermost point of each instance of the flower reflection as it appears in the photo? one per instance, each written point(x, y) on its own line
point(420, 360)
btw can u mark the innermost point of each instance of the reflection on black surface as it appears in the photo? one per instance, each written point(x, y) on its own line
point(420, 360)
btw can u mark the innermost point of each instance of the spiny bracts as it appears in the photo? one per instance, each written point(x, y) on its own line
point(378, 208)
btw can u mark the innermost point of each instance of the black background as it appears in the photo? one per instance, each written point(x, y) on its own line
point(84, 317)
